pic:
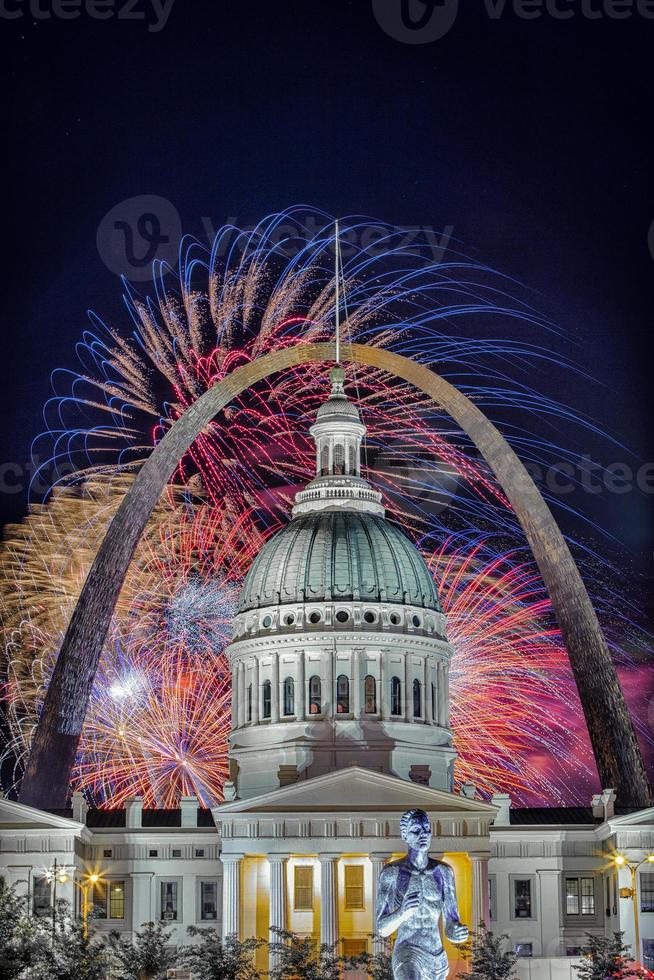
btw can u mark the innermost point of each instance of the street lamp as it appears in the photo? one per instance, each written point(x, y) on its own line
point(60, 874)
point(620, 861)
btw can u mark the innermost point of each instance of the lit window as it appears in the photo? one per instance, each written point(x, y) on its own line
point(303, 888)
point(370, 691)
point(646, 891)
point(522, 898)
point(354, 947)
point(315, 693)
point(169, 900)
point(354, 886)
point(116, 899)
point(396, 696)
point(579, 896)
point(289, 696)
point(208, 900)
point(342, 694)
point(417, 698)
point(266, 707)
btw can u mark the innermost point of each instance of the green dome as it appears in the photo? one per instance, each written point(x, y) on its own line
point(333, 555)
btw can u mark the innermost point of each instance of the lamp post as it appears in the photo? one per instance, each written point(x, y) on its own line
point(60, 874)
point(620, 861)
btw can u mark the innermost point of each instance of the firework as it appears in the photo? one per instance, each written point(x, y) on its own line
point(515, 713)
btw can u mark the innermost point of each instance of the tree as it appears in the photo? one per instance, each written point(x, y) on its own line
point(144, 959)
point(76, 956)
point(301, 958)
point(23, 941)
point(378, 966)
point(489, 959)
point(214, 958)
point(607, 956)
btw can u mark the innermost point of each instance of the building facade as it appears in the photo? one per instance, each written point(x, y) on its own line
point(340, 722)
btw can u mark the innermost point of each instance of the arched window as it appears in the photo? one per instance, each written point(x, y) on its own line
point(370, 692)
point(315, 693)
point(266, 692)
point(342, 694)
point(339, 459)
point(417, 706)
point(249, 702)
point(352, 460)
point(396, 696)
point(324, 464)
point(433, 703)
point(289, 696)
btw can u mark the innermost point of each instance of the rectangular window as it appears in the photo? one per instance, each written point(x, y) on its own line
point(169, 901)
point(41, 896)
point(208, 900)
point(116, 899)
point(99, 900)
point(303, 888)
point(354, 947)
point(199, 852)
point(580, 896)
point(107, 853)
point(522, 898)
point(177, 853)
point(524, 950)
point(354, 886)
point(647, 891)
point(648, 954)
point(572, 896)
point(587, 896)
point(153, 854)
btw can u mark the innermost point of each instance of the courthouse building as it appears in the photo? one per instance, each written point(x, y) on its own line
point(340, 722)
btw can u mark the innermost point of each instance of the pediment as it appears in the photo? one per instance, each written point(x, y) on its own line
point(16, 816)
point(356, 790)
point(642, 819)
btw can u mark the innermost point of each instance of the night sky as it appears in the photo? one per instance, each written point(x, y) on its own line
point(530, 137)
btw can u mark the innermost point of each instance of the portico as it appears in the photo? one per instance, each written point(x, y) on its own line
point(308, 856)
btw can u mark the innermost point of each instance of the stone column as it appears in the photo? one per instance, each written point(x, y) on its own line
point(429, 680)
point(231, 893)
point(274, 690)
point(242, 696)
point(300, 694)
point(479, 864)
point(383, 705)
point(356, 683)
point(407, 696)
point(277, 906)
point(328, 898)
point(235, 720)
point(256, 693)
point(377, 861)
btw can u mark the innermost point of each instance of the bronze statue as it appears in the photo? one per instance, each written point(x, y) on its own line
point(412, 896)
